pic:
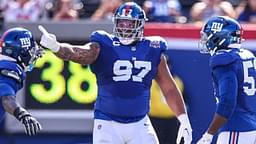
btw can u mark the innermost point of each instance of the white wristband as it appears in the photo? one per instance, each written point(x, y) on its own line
point(207, 135)
point(56, 47)
point(183, 118)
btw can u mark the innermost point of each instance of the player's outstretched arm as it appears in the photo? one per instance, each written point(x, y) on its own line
point(31, 125)
point(175, 100)
point(84, 54)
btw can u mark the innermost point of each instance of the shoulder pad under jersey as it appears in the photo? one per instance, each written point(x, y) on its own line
point(157, 42)
point(222, 57)
point(11, 74)
point(12, 69)
point(100, 36)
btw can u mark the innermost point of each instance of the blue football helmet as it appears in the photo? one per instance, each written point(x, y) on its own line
point(19, 44)
point(129, 20)
point(220, 32)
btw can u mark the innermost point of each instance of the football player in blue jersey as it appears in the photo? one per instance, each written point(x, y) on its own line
point(234, 75)
point(18, 53)
point(125, 63)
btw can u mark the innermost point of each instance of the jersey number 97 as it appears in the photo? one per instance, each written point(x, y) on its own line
point(122, 70)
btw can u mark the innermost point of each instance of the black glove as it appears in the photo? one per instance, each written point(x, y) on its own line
point(31, 125)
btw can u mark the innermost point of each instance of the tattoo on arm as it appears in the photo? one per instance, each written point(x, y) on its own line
point(79, 54)
point(10, 104)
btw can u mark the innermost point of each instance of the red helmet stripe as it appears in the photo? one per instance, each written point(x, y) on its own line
point(127, 10)
point(2, 38)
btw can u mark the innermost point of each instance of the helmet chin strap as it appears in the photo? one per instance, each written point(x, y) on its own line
point(216, 48)
point(21, 63)
point(213, 51)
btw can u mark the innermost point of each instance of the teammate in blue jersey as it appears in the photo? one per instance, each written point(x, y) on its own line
point(18, 53)
point(125, 63)
point(234, 76)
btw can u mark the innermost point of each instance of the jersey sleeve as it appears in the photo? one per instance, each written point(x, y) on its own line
point(158, 42)
point(6, 90)
point(163, 44)
point(221, 58)
point(9, 85)
point(13, 69)
point(227, 90)
point(99, 36)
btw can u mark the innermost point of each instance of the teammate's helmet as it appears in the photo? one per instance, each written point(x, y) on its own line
point(19, 44)
point(220, 32)
point(129, 20)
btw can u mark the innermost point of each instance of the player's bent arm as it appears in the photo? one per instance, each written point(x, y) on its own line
point(31, 125)
point(10, 104)
point(169, 88)
point(85, 54)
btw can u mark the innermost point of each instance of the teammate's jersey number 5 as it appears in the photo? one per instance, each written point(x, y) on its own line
point(122, 70)
point(249, 77)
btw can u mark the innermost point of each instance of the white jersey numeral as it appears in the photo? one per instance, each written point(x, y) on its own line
point(123, 70)
point(250, 79)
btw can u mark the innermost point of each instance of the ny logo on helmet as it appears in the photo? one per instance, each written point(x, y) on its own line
point(216, 27)
point(127, 12)
point(25, 42)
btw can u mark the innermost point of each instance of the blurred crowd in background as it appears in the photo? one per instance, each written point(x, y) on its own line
point(168, 11)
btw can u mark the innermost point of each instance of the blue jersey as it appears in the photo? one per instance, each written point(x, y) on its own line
point(8, 85)
point(124, 76)
point(234, 75)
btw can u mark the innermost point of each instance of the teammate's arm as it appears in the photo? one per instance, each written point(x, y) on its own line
point(31, 125)
point(174, 100)
point(169, 88)
point(82, 54)
point(10, 104)
point(227, 89)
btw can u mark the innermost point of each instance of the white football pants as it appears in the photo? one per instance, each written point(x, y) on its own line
point(111, 132)
point(237, 138)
